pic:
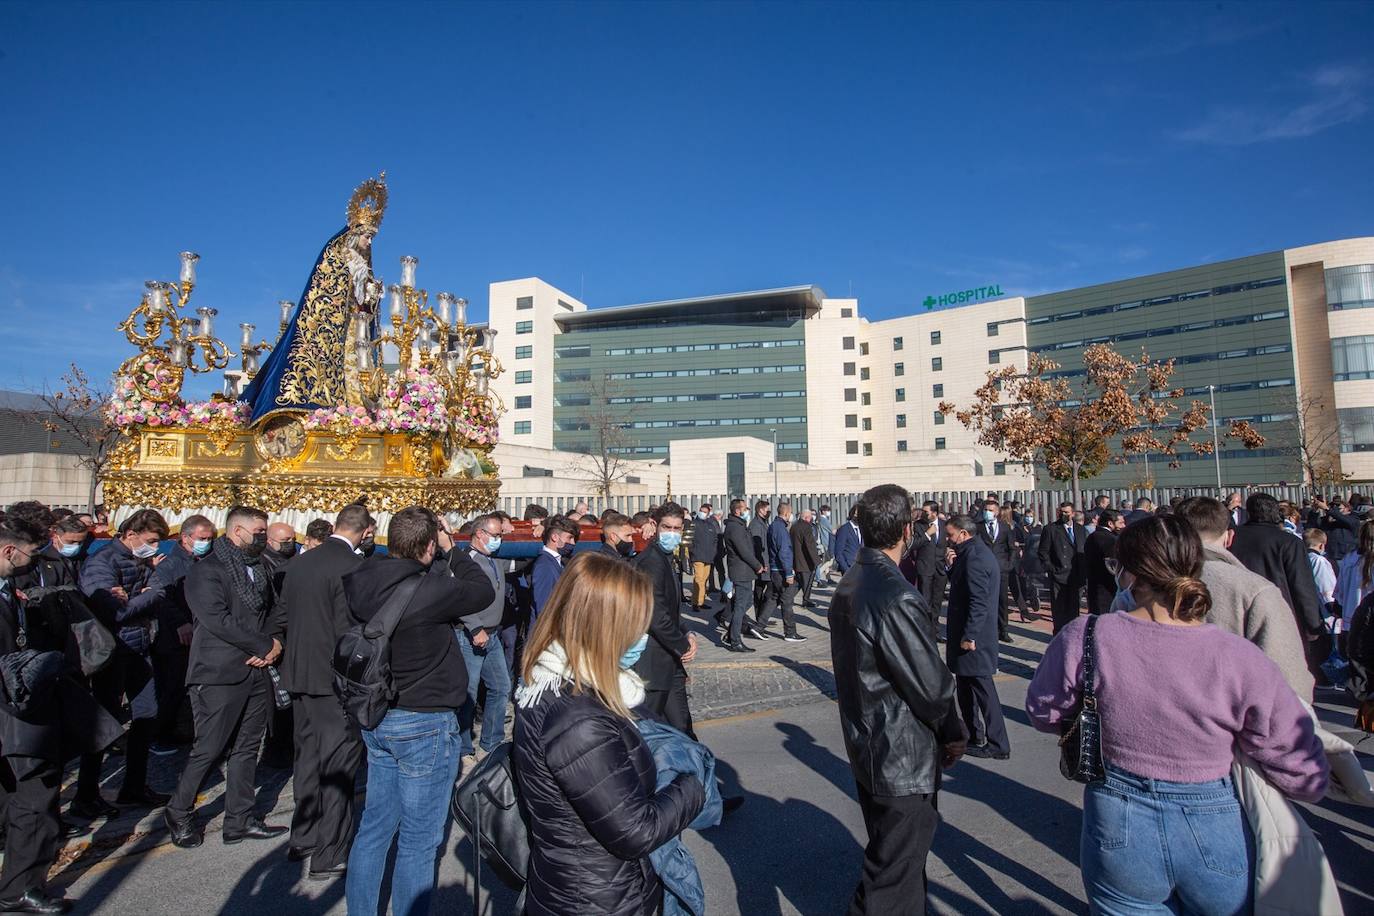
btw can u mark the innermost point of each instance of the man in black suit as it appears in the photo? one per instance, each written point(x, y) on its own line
point(1235, 508)
point(997, 537)
point(971, 646)
point(744, 565)
point(1025, 578)
point(329, 749)
point(934, 593)
point(235, 640)
point(670, 645)
point(1266, 549)
point(805, 555)
point(922, 560)
point(1061, 554)
point(1100, 504)
point(617, 537)
point(1100, 548)
point(1144, 508)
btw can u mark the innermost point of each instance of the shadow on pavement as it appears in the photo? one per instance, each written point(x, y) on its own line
point(1052, 821)
point(766, 868)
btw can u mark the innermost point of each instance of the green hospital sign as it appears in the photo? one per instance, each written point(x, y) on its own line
point(962, 296)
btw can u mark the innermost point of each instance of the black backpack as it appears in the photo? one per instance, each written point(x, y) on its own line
point(362, 660)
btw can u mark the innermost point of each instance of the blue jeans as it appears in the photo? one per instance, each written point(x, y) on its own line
point(740, 603)
point(412, 763)
point(1150, 846)
point(485, 664)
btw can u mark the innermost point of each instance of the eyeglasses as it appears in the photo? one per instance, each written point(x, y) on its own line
point(1113, 565)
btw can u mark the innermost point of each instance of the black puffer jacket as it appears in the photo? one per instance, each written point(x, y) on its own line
point(586, 781)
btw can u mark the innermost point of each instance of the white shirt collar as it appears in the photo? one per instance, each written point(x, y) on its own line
point(553, 553)
point(345, 540)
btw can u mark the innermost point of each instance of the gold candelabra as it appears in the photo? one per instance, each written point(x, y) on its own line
point(440, 340)
point(158, 311)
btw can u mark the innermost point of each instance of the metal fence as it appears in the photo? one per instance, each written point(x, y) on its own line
point(1043, 501)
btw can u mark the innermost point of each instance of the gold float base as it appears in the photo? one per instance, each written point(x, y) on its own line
point(279, 492)
point(178, 469)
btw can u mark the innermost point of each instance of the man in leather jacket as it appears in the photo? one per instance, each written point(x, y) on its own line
point(896, 699)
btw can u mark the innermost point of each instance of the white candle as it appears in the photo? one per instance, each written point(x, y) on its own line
point(396, 310)
point(482, 384)
point(207, 321)
point(445, 300)
point(364, 356)
point(156, 298)
point(250, 363)
point(286, 306)
point(178, 353)
point(247, 330)
point(408, 270)
point(460, 312)
point(188, 266)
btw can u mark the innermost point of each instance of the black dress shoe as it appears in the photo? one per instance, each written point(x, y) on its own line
point(298, 853)
point(36, 900)
point(69, 831)
point(92, 808)
point(183, 830)
point(142, 798)
point(1004, 638)
point(255, 830)
point(737, 647)
point(987, 753)
point(754, 632)
point(328, 874)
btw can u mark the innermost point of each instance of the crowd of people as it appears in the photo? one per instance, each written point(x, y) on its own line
point(223, 638)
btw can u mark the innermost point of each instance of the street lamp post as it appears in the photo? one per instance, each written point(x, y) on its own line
point(775, 466)
point(1216, 452)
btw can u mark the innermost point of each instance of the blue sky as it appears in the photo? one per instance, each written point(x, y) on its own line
point(632, 152)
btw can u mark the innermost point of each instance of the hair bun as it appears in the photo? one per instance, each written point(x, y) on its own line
point(1192, 599)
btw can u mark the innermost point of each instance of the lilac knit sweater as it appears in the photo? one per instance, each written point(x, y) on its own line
point(1176, 700)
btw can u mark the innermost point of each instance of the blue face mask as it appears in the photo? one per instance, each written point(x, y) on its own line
point(1124, 600)
point(493, 544)
point(669, 540)
point(989, 515)
point(70, 550)
point(633, 653)
point(744, 516)
point(201, 548)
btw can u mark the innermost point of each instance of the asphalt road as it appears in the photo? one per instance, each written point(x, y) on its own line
point(1008, 843)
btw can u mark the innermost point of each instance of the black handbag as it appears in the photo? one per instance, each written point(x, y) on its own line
point(485, 807)
point(1080, 747)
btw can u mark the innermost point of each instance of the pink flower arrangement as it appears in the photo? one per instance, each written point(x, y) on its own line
point(476, 422)
point(414, 403)
point(341, 418)
point(126, 408)
point(211, 413)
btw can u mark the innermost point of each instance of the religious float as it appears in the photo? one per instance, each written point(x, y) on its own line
point(344, 407)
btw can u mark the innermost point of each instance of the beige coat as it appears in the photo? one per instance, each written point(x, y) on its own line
point(1250, 605)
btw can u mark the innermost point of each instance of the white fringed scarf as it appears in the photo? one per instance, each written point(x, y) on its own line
point(551, 672)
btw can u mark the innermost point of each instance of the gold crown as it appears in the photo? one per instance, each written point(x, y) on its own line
point(368, 203)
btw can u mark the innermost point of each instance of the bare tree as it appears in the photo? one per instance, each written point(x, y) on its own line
point(75, 415)
point(1313, 439)
point(605, 460)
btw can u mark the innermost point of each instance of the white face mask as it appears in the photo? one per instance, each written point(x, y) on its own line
point(144, 551)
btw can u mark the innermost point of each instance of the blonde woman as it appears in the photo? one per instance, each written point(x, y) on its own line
point(585, 775)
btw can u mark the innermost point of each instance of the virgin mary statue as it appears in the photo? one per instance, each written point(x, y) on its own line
point(313, 364)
